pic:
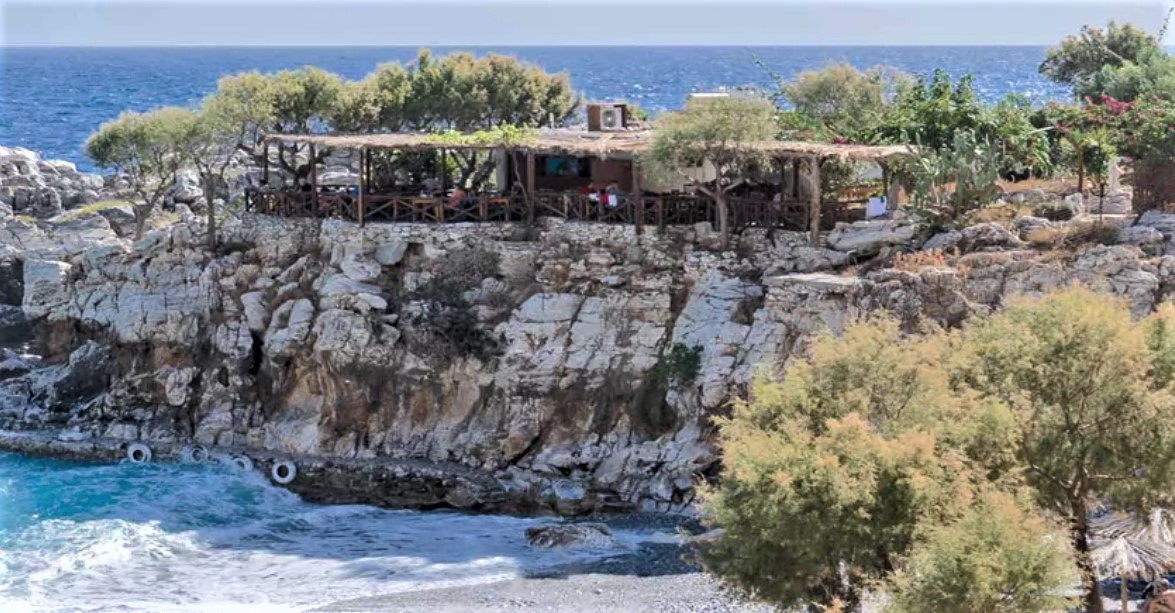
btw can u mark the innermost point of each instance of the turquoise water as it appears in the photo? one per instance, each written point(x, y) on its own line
point(52, 98)
point(163, 537)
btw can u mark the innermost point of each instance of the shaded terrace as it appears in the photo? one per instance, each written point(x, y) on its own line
point(562, 172)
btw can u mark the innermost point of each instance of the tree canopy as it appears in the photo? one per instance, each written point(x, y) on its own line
point(1080, 58)
point(148, 149)
point(866, 458)
point(721, 131)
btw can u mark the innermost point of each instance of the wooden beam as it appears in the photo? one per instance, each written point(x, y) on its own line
point(636, 193)
point(314, 179)
point(815, 200)
point(530, 188)
point(362, 184)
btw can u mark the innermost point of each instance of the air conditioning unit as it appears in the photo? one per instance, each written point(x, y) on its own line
point(611, 118)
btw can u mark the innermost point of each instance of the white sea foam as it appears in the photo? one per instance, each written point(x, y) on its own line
point(170, 538)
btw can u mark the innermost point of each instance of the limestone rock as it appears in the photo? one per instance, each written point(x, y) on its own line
point(570, 535)
point(390, 254)
point(868, 237)
point(980, 237)
point(289, 327)
point(1116, 203)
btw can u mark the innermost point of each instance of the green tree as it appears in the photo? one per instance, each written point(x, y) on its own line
point(286, 102)
point(931, 112)
point(1089, 423)
point(828, 474)
point(1080, 58)
point(148, 149)
point(890, 458)
point(997, 557)
point(723, 131)
point(463, 93)
point(847, 103)
point(211, 140)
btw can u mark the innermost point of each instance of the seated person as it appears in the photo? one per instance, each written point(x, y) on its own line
point(432, 186)
point(456, 196)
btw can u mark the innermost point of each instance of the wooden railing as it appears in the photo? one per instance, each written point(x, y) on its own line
point(646, 210)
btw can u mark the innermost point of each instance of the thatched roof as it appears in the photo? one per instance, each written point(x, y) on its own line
point(1158, 525)
point(1123, 555)
point(570, 141)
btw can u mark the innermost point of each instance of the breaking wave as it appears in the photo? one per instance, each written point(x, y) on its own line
point(120, 537)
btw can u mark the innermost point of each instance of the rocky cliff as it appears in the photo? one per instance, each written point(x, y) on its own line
point(568, 368)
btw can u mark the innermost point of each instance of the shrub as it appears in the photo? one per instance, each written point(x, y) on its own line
point(1073, 235)
point(447, 321)
point(952, 182)
point(681, 365)
point(998, 557)
point(917, 260)
point(826, 473)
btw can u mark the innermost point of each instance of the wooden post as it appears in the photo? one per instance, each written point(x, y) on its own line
point(314, 179)
point(777, 212)
point(362, 166)
point(367, 165)
point(530, 188)
point(892, 191)
point(814, 201)
point(636, 193)
point(795, 178)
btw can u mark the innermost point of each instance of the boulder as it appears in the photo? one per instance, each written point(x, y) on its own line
point(187, 188)
point(1117, 203)
point(13, 364)
point(11, 281)
point(1139, 235)
point(14, 326)
point(1026, 224)
point(868, 237)
point(570, 535)
point(989, 236)
point(390, 254)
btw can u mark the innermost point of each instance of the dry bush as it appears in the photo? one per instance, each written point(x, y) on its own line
point(916, 261)
point(1002, 213)
point(1073, 235)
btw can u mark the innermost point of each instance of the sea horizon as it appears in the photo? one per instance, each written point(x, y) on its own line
point(53, 97)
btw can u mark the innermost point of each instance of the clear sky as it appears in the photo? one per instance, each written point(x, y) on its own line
point(560, 22)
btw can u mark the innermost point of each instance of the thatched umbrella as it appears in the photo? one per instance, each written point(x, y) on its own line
point(1157, 526)
point(1124, 555)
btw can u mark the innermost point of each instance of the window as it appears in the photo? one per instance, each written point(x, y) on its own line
point(563, 166)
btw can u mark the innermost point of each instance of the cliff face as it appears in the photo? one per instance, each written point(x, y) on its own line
point(574, 370)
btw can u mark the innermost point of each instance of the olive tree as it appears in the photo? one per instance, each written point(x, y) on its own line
point(846, 102)
point(1079, 59)
point(148, 149)
point(726, 132)
point(463, 93)
point(286, 102)
point(214, 133)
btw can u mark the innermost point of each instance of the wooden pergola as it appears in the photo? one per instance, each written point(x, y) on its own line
point(619, 145)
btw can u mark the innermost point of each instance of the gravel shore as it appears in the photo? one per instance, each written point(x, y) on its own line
point(657, 577)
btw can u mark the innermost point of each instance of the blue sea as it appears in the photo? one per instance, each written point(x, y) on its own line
point(52, 98)
point(78, 536)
